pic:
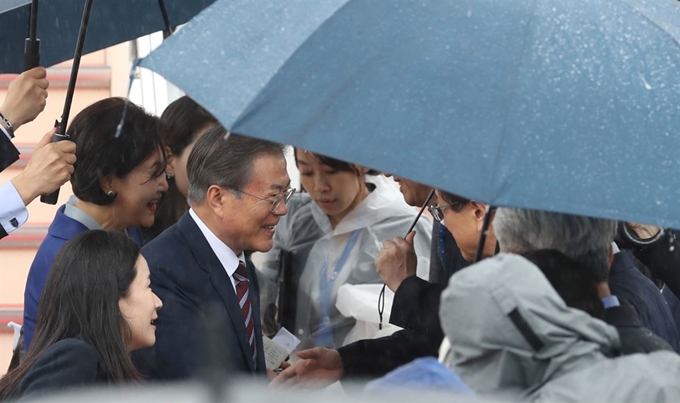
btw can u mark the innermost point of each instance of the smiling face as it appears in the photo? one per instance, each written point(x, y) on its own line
point(138, 193)
point(336, 192)
point(247, 222)
point(139, 308)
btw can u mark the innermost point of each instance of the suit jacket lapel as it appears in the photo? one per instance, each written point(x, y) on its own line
point(206, 258)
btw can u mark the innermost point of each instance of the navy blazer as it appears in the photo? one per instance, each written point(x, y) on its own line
point(66, 364)
point(190, 280)
point(60, 231)
point(633, 288)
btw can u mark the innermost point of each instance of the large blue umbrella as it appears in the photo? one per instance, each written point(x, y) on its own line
point(569, 106)
point(111, 22)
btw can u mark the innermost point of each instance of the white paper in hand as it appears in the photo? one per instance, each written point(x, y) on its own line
point(273, 353)
point(277, 349)
point(286, 339)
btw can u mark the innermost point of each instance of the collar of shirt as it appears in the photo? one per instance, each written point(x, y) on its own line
point(610, 301)
point(73, 212)
point(615, 248)
point(224, 254)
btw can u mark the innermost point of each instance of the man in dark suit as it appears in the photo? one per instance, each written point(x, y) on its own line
point(238, 189)
point(51, 164)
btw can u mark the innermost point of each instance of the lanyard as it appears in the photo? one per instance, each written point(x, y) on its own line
point(326, 283)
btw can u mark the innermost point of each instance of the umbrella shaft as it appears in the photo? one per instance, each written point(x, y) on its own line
point(33, 21)
point(76, 65)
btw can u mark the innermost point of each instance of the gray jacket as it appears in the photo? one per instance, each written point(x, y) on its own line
point(512, 335)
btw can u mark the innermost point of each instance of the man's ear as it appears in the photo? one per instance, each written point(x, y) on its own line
point(216, 198)
point(611, 256)
point(478, 210)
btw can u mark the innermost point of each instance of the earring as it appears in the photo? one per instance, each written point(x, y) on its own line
point(111, 194)
point(169, 175)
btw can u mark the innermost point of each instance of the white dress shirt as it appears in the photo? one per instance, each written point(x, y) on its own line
point(13, 212)
point(224, 254)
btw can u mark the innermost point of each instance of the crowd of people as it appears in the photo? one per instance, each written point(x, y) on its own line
point(154, 251)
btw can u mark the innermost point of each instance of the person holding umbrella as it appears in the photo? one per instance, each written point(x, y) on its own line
point(26, 98)
point(117, 183)
point(51, 164)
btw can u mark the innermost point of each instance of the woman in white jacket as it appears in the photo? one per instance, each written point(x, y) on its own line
point(332, 236)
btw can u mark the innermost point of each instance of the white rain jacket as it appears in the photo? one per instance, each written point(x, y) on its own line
point(316, 248)
point(512, 335)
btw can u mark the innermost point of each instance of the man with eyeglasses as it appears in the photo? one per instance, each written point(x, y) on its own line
point(238, 189)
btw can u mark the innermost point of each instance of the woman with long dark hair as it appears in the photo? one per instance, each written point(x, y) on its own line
point(96, 307)
point(117, 184)
point(182, 123)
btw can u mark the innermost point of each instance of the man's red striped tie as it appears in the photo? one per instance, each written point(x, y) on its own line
point(243, 296)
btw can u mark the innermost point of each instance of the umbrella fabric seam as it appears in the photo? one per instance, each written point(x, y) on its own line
point(495, 190)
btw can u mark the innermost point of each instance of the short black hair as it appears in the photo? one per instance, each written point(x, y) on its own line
point(335, 163)
point(456, 202)
point(99, 153)
point(576, 283)
point(225, 159)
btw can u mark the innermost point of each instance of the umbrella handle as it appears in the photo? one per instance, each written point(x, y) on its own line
point(61, 135)
point(32, 46)
point(31, 54)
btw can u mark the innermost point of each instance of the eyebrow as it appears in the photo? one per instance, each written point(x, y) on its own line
point(279, 187)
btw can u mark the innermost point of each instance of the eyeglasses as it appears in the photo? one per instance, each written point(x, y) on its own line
point(275, 201)
point(436, 211)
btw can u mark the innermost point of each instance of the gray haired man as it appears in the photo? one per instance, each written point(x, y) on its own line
point(590, 242)
point(238, 189)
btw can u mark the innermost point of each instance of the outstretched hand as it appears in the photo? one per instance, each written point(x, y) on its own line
point(316, 369)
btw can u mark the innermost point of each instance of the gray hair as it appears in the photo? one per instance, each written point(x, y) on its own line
point(224, 159)
point(584, 239)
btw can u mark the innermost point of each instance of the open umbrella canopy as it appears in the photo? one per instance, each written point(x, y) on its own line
point(111, 22)
point(569, 106)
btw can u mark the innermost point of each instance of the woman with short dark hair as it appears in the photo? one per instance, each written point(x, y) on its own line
point(117, 183)
point(97, 306)
point(331, 236)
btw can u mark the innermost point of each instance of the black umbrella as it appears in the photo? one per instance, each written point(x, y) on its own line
point(32, 59)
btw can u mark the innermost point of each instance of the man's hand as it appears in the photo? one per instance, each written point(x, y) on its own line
point(50, 167)
point(26, 97)
point(316, 369)
point(271, 373)
point(397, 261)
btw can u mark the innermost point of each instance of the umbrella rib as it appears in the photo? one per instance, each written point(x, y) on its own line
point(654, 22)
point(492, 200)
